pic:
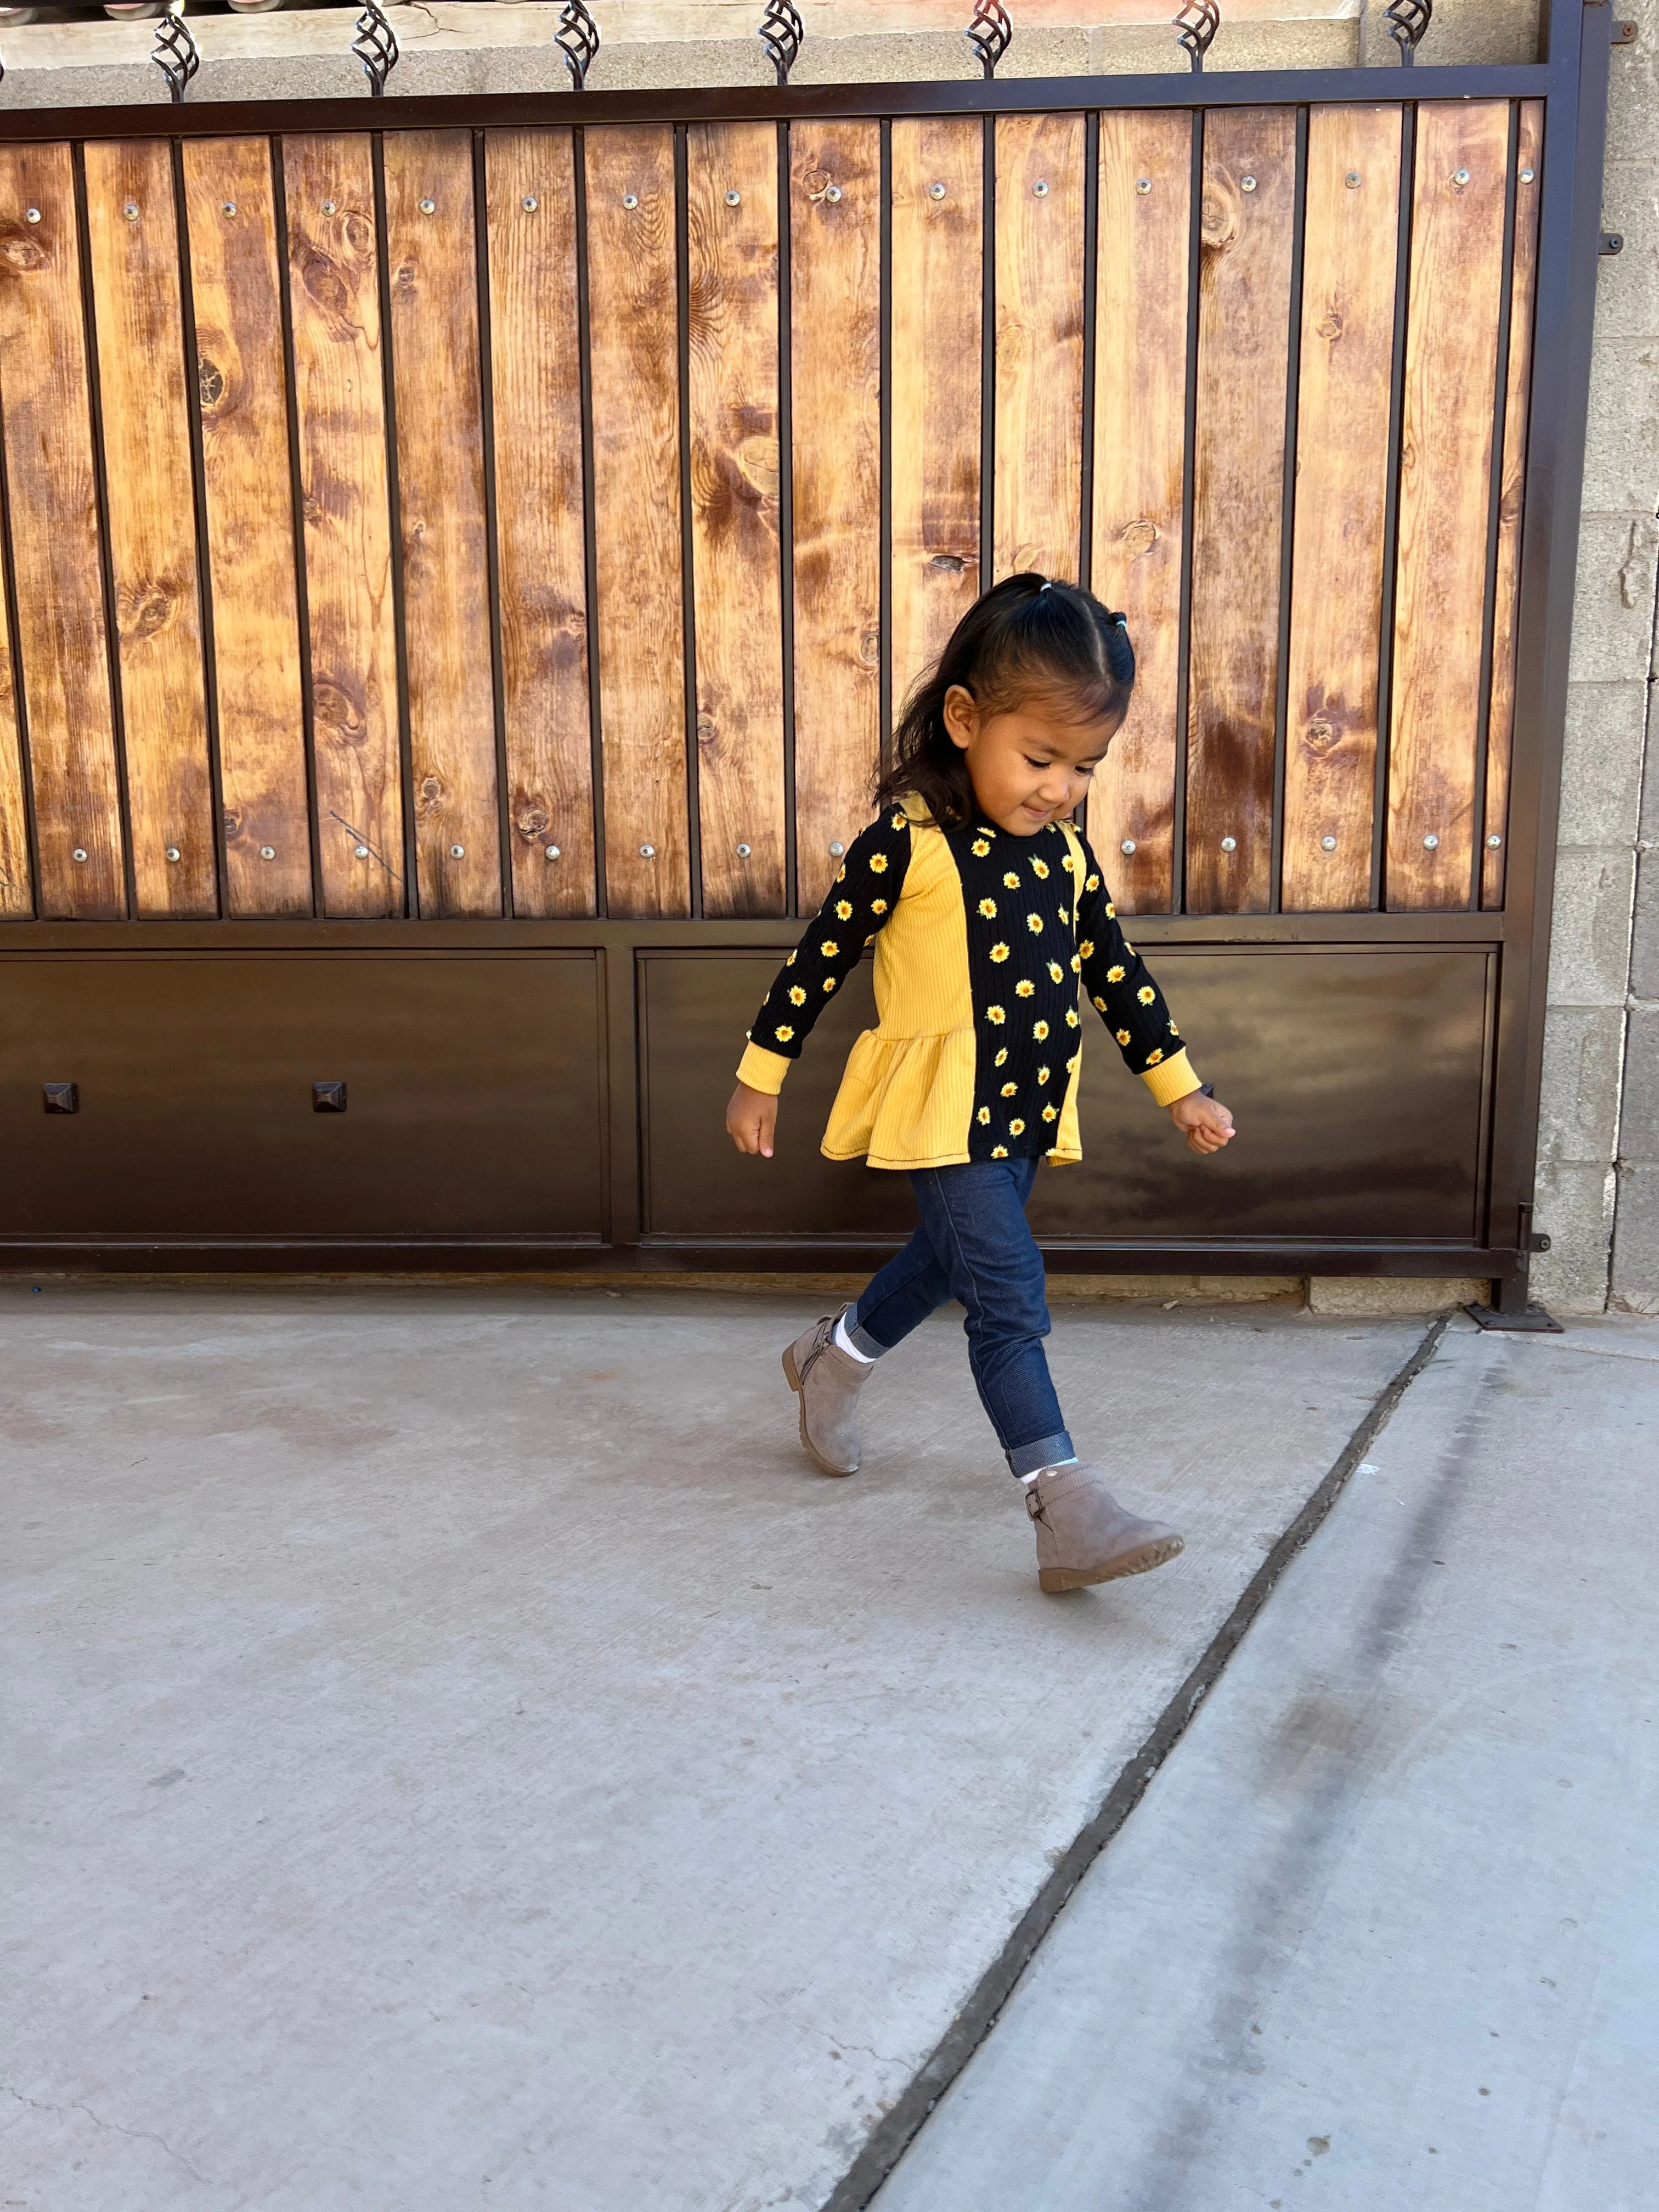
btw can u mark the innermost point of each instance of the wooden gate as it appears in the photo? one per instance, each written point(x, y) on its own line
point(460, 575)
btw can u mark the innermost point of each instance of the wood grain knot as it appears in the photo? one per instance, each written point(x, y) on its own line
point(327, 283)
point(1330, 325)
point(952, 563)
point(1138, 537)
point(1320, 737)
point(233, 825)
point(210, 380)
point(758, 458)
point(432, 794)
point(531, 820)
point(340, 710)
point(21, 253)
point(1224, 207)
point(142, 609)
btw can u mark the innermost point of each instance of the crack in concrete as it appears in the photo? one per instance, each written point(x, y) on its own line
point(114, 2127)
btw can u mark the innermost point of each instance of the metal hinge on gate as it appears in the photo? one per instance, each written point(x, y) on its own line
point(1624, 34)
point(1613, 241)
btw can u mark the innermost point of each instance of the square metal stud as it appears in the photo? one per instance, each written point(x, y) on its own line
point(62, 1097)
point(328, 1098)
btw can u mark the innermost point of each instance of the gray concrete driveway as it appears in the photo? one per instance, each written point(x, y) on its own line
point(1383, 1934)
point(459, 1755)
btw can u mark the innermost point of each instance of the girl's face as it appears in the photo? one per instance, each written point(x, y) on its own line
point(1029, 768)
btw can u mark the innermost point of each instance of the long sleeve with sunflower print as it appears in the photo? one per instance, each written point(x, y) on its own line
point(983, 939)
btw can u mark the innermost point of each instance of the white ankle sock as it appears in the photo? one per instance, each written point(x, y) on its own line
point(1059, 1463)
point(842, 1342)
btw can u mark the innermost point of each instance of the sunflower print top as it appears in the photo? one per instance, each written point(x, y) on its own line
point(984, 941)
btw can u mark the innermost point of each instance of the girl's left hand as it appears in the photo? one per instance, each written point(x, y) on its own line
point(1206, 1122)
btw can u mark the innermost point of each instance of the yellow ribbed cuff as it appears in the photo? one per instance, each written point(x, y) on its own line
point(1169, 1080)
point(762, 1071)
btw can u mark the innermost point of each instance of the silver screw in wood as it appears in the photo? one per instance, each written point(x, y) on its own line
point(429, 207)
point(743, 852)
point(1352, 180)
point(362, 851)
point(79, 854)
point(1040, 190)
point(1431, 843)
point(267, 852)
point(1327, 844)
point(1460, 177)
point(328, 207)
point(1229, 844)
point(1127, 845)
point(173, 854)
point(229, 208)
point(457, 852)
point(936, 192)
point(1143, 184)
point(734, 199)
point(1527, 176)
point(529, 203)
point(31, 215)
point(647, 852)
point(832, 192)
point(552, 852)
point(835, 851)
point(1493, 843)
point(631, 199)
point(130, 210)
point(1247, 183)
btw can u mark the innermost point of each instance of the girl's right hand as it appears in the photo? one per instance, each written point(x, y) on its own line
point(751, 1117)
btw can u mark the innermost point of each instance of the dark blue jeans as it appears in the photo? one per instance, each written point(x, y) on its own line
point(974, 1245)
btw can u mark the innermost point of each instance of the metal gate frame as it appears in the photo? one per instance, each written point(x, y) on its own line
point(1571, 83)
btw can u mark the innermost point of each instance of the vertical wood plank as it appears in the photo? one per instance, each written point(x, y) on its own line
point(16, 887)
point(734, 513)
point(340, 407)
point(1243, 350)
point(132, 254)
point(1037, 511)
point(230, 207)
point(1140, 481)
point(433, 317)
point(634, 320)
point(62, 641)
point(536, 374)
point(835, 362)
point(1445, 463)
point(1349, 259)
point(938, 307)
point(1500, 725)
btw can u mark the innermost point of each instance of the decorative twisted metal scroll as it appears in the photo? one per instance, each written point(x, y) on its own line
point(174, 54)
point(375, 47)
point(990, 35)
point(1408, 21)
point(578, 39)
point(780, 33)
point(1196, 27)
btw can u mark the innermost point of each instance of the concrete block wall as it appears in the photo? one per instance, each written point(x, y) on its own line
point(1598, 1187)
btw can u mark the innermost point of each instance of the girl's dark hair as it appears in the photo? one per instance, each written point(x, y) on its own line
point(1025, 638)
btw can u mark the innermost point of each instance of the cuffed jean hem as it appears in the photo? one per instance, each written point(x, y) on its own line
point(858, 1334)
point(1048, 1451)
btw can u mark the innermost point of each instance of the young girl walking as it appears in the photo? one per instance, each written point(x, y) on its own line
point(989, 910)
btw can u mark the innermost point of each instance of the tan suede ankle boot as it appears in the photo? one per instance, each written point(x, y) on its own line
point(1084, 1535)
point(827, 1381)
